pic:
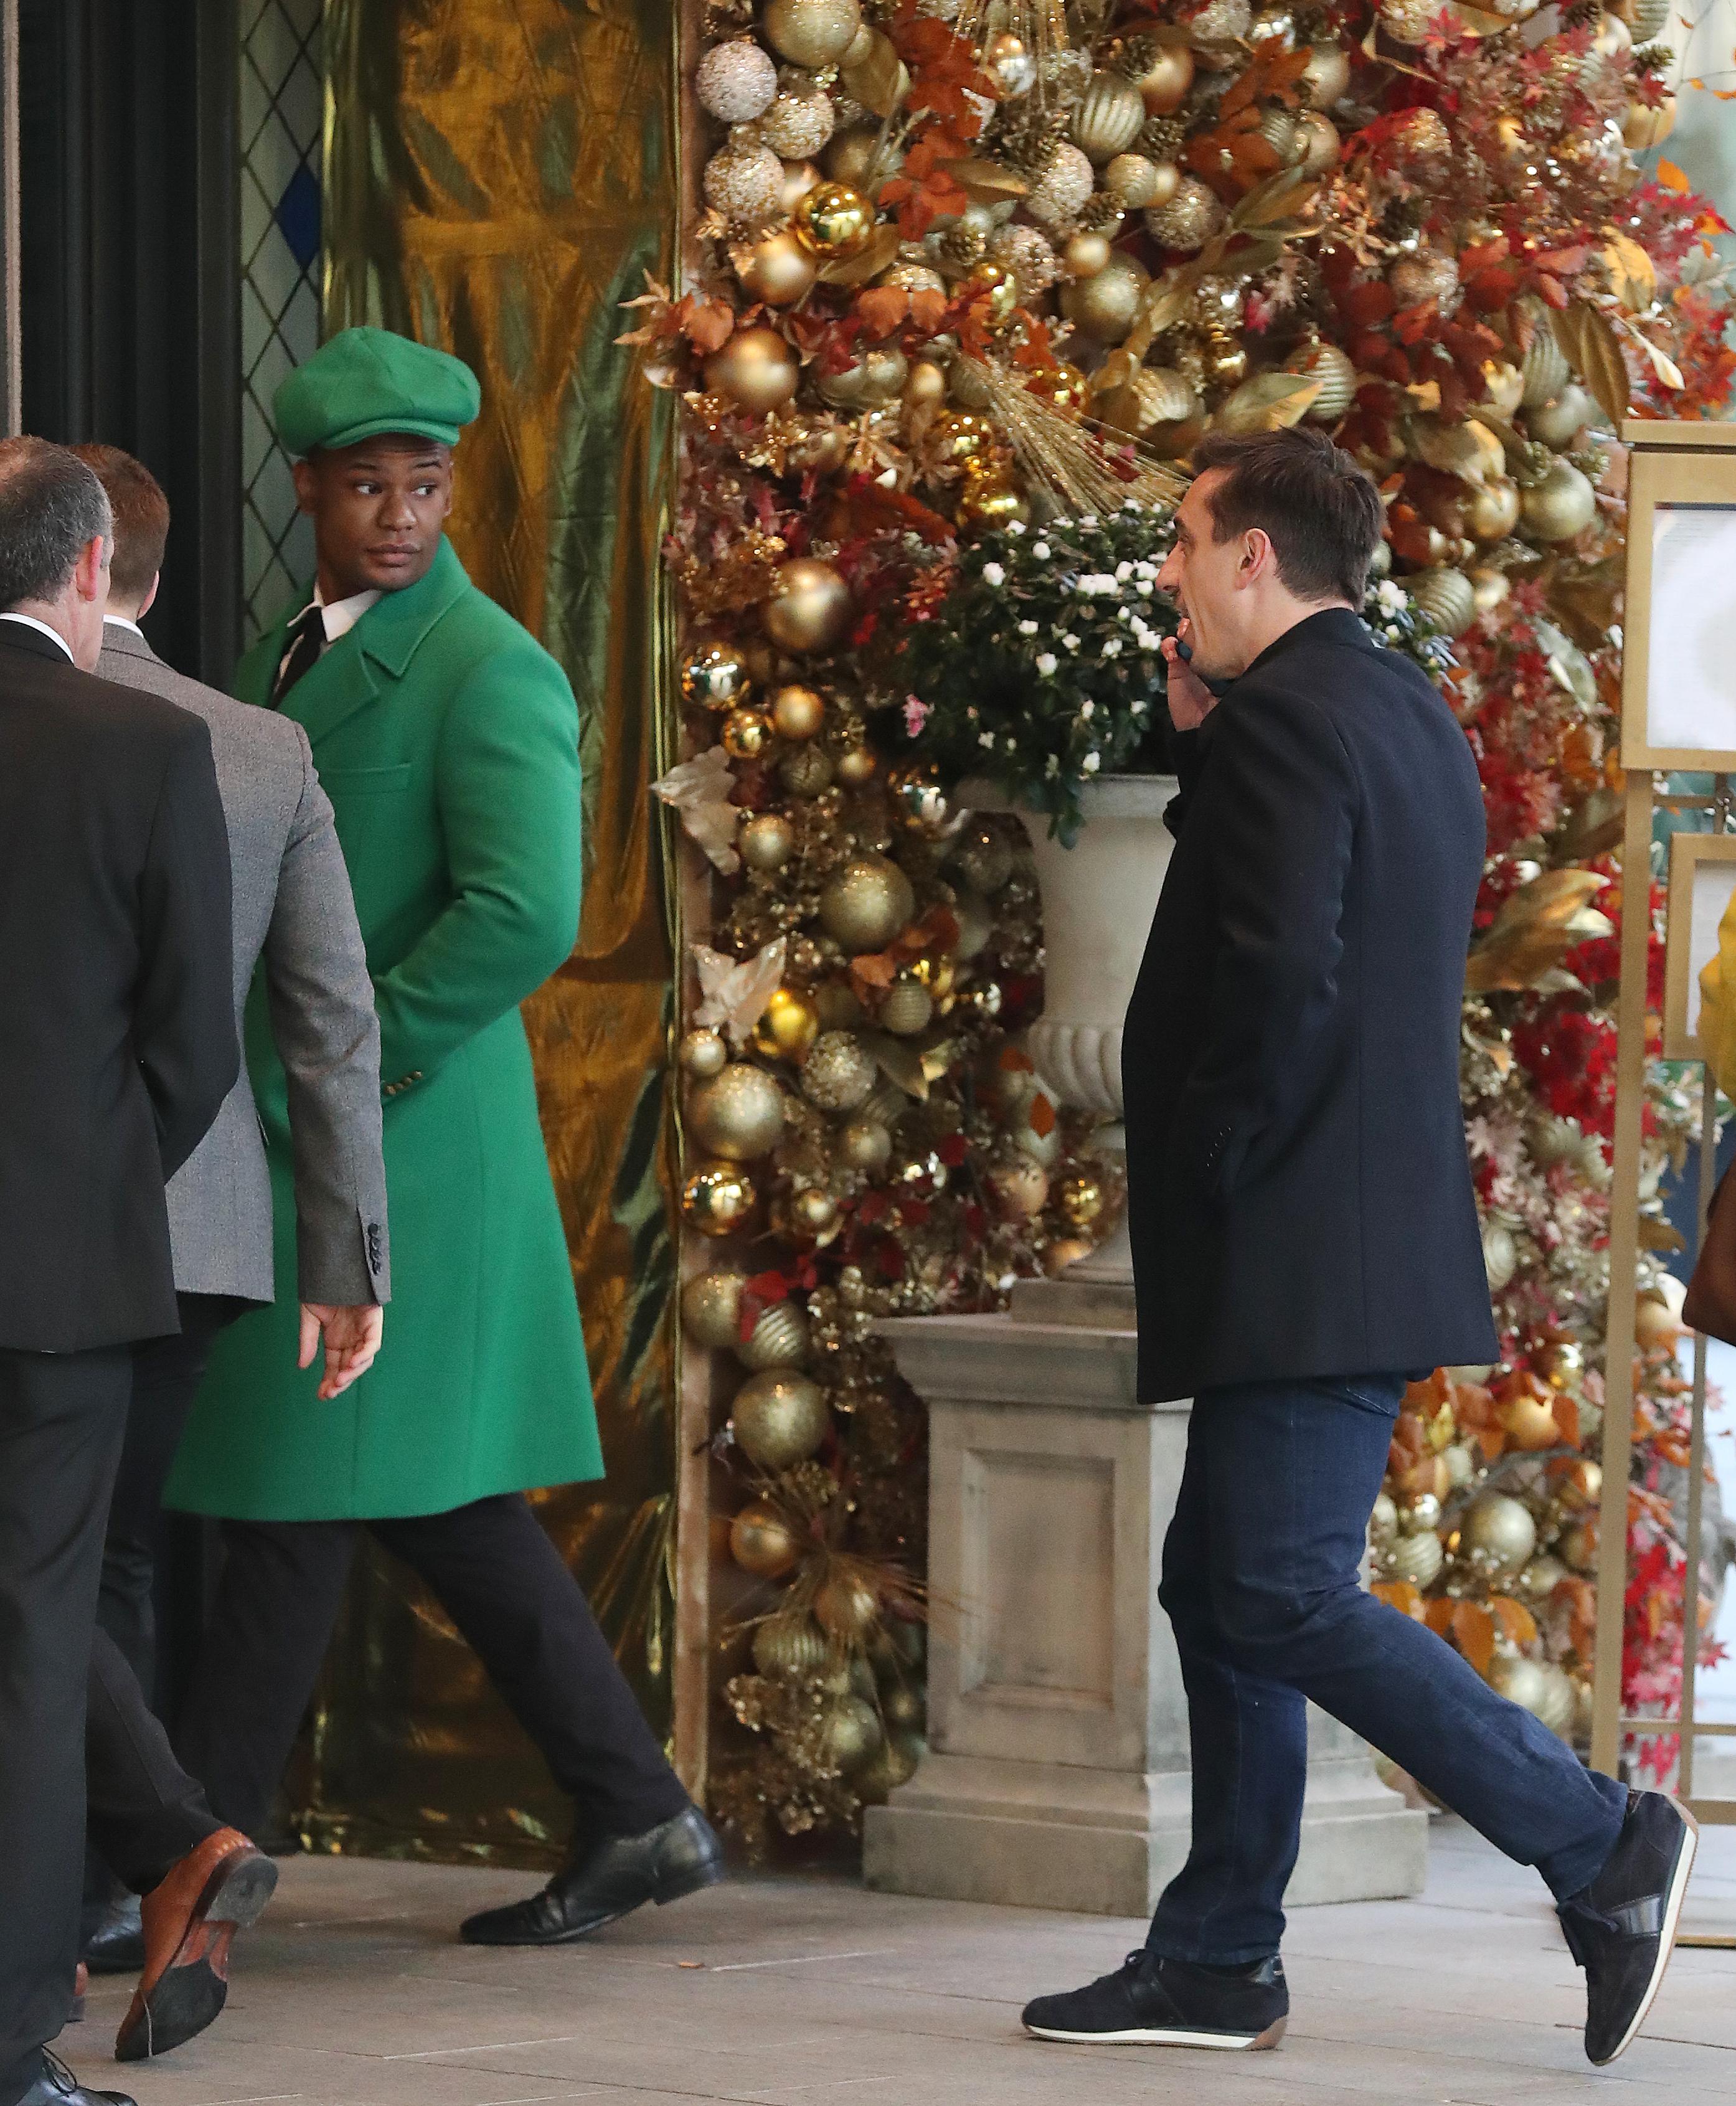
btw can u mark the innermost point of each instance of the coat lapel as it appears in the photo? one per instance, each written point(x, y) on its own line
point(376, 651)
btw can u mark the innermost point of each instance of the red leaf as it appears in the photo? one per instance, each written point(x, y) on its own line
point(768, 1286)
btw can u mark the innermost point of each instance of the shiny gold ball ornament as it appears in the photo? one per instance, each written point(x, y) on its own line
point(778, 270)
point(763, 1542)
point(1107, 117)
point(1326, 79)
point(1558, 423)
point(745, 184)
point(811, 1211)
point(1447, 597)
point(866, 904)
point(855, 765)
point(865, 1144)
point(1315, 146)
point(1540, 1577)
point(747, 734)
point(1105, 306)
point(788, 1026)
point(847, 1608)
point(1135, 182)
point(780, 1417)
point(834, 221)
point(1067, 180)
point(1163, 87)
point(925, 383)
point(798, 123)
point(1519, 1680)
point(767, 841)
point(875, 379)
point(703, 1053)
point(1083, 255)
point(1189, 220)
point(960, 435)
point(1383, 1522)
point(809, 609)
point(1561, 506)
point(1009, 62)
point(838, 1073)
point(714, 676)
point(796, 712)
point(1497, 1534)
point(1325, 363)
point(711, 1310)
point(850, 1735)
point(1082, 1199)
point(717, 1199)
point(811, 33)
point(738, 1115)
point(990, 497)
point(906, 1006)
point(1493, 511)
point(735, 82)
point(786, 1647)
point(756, 370)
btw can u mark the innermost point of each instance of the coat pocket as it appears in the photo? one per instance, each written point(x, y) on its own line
point(366, 781)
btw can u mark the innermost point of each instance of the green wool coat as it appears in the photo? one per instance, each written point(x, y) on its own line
point(447, 742)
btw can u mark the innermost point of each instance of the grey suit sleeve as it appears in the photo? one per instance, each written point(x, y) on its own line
point(327, 1037)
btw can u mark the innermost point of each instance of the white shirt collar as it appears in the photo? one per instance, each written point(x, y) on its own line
point(341, 615)
point(121, 622)
point(30, 621)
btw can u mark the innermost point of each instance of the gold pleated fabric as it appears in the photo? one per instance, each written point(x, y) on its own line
point(499, 176)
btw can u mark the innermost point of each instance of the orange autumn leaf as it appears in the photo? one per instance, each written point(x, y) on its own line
point(707, 325)
point(1399, 1594)
point(1474, 1633)
point(1566, 1418)
point(1437, 1615)
point(1672, 178)
point(1517, 1623)
point(1042, 1116)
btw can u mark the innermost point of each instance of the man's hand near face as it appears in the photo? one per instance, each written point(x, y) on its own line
point(1191, 700)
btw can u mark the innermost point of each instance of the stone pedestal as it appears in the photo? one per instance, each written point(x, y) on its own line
point(1057, 1771)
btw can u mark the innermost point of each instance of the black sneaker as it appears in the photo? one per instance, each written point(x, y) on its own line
point(1169, 2003)
point(1622, 1927)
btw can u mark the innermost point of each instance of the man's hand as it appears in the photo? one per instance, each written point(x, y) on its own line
point(352, 1338)
point(1191, 700)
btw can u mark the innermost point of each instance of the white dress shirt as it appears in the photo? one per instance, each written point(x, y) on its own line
point(30, 621)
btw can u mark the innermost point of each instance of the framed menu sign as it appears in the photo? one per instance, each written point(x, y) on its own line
point(1678, 681)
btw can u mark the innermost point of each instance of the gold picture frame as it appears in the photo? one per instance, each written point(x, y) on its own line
point(1688, 944)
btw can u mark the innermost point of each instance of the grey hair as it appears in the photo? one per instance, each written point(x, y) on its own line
point(52, 507)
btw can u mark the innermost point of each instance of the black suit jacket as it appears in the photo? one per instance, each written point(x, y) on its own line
point(1299, 1195)
point(117, 1022)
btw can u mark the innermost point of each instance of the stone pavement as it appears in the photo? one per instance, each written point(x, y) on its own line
point(808, 1992)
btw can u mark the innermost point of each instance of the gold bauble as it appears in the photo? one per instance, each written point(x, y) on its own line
point(1561, 506)
point(1135, 182)
point(1417, 1558)
point(811, 33)
point(856, 765)
point(1447, 597)
point(840, 1010)
point(1559, 423)
point(1528, 1422)
point(717, 1199)
point(796, 712)
point(1540, 1577)
point(756, 370)
point(1543, 367)
point(780, 1339)
point(1008, 64)
point(739, 1114)
point(1325, 363)
point(1493, 511)
point(703, 1053)
point(1383, 1522)
point(925, 383)
point(1497, 1534)
point(991, 500)
point(1272, 31)
point(1060, 191)
point(780, 1416)
point(835, 222)
point(1326, 77)
point(1464, 447)
point(747, 734)
point(1577, 1545)
point(876, 1781)
point(984, 857)
point(847, 1608)
point(865, 1144)
point(903, 1709)
point(1021, 1189)
point(1062, 386)
point(799, 178)
point(1655, 1324)
point(1421, 1515)
point(805, 771)
point(746, 184)
point(809, 609)
point(811, 1211)
point(838, 1073)
point(1081, 1199)
point(1582, 1485)
point(910, 277)
point(995, 286)
point(1189, 219)
point(1163, 85)
point(1063, 1251)
point(850, 1736)
point(873, 380)
point(1108, 117)
point(1560, 1707)
point(1083, 255)
point(798, 123)
point(735, 82)
point(786, 1647)
point(906, 1006)
point(1219, 22)
point(1226, 362)
point(762, 1542)
point(957, 435)
point(1278, 127)
point(1105, 305)
point(788, 1026)
point(917, 798)
point(866, 903)
point(1645, 18)
point(1519, 1680)
point(714, 676)
point(857, 157)
point(1315, 146)
point(767, 841)
point(711, 1309)
point(778, 270)
point(1408, 21)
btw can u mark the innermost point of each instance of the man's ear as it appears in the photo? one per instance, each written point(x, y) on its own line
point(150, 600)
point(88, 580)
point(305, 486)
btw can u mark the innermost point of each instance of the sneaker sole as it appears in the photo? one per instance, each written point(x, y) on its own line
point(1166, 2036)
point(1673, 1900)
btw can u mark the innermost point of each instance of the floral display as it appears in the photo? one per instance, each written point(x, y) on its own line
point(967, 280)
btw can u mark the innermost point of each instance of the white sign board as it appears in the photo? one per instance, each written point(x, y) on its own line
point(1691, 672)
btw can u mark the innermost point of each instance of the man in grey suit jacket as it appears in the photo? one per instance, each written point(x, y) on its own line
point(294, 920)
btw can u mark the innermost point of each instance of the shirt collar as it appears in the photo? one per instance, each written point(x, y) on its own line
point(339, 617)
point(121, 622)
point(30, 621)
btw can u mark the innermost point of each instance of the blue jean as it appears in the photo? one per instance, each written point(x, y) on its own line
point(1261, 1585)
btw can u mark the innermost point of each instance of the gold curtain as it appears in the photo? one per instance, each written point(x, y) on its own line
point(499, 176)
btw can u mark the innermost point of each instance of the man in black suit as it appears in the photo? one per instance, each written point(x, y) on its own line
point(117, 1049)
point(1305, 1241)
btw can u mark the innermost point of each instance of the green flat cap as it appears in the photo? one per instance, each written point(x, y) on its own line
point(367, 381)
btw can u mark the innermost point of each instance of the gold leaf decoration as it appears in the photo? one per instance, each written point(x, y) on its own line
point(1589, 343)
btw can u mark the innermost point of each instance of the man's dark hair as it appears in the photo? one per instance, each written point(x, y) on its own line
point(141, 514)
point(51, 506)
point(1321, 511)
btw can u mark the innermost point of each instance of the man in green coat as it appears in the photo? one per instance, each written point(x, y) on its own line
point(447, 740)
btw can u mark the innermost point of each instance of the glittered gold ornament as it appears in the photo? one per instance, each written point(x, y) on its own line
point(835, 222)
point(787, 1646)
point(778, 269)
point(788, 1026)
point(738, 1115)
point(1326, 77)
point(703, 1053)
point(735, 82)
point(1020, 1189)
point(850, 1736)
point(805, 771)
point(1029, 255)
point(711, 1309)
point(1219, 22)
point(1062, 386)
point(1325, 363)
point(714, 676)
point(906, 1006)
point(717, 1199)
point(1083, 255)
point(1408, 21)
point(779, 1340)
point(847, 1608)
point(1497, 1534)
point(1164, 85)
point(1493, 511)
point(1105, 306)
point(865, 1144)
point(838, 1073)
point(780, 1417)
point(877, 376)
point(1107, 117)
point(1558, 423)
point(762, 1542)
point(746, 184)
point(912, 277)
point(811, 33)
point(747, 734)
point(798, 123)
point(1190, 218)
point(866, 904)
point(1559, 507)
point(1447, 597)
point(1067, 180)
point(1135, 182)
point(756, 370)
point(767, 841)
point(809, 609)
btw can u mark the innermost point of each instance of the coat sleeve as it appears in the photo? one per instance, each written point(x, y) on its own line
point(328, 1038)
point(1282, 810)
point(507, 790)
point(184, 1015)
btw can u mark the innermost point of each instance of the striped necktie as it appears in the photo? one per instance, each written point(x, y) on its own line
point(307, 640)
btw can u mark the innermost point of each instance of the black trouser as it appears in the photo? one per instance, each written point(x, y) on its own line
point(61, 1417)
point(495, 1573)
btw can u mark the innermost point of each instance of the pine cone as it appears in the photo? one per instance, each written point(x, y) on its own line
point(1591, 461)
point(1534, 462)
point(1160, 138)
point(962, 244)
point(1137, 57)
point(1581, 14)
point(1100, 214)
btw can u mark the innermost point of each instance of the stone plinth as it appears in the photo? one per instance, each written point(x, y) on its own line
point(1057, 1772)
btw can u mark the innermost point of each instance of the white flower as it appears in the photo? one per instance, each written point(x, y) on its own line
point(1091, 763)
point(1391, 634)
point(1123, 614)
point(1123, 572)
point(1087, 710)
point(986, 738)
point(1069, 639)
point(1046, 664)
point(993, 574)
point(1028, 629)
point(1112, 648)
point(1015, 526)
point(1146, 588)
point(1390, 597)
point(1088, 518)
point(1136, 708)
point(1040, 549)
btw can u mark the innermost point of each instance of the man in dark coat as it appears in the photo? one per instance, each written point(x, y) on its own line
point(1305, 1242)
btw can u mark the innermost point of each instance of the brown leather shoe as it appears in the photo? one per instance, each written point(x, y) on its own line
point(189, 1920)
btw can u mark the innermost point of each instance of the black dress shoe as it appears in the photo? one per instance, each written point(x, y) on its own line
point(1169, 2003)
point(607, 1880)
point(57, 2086)
point(1622, 1927)
point(117, 1945)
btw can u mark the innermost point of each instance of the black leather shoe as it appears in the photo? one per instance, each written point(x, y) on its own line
point(117, 1945)
point(607, 1880)
point(57, 2086)
point(1169, 2003)
point(1622, 1928)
